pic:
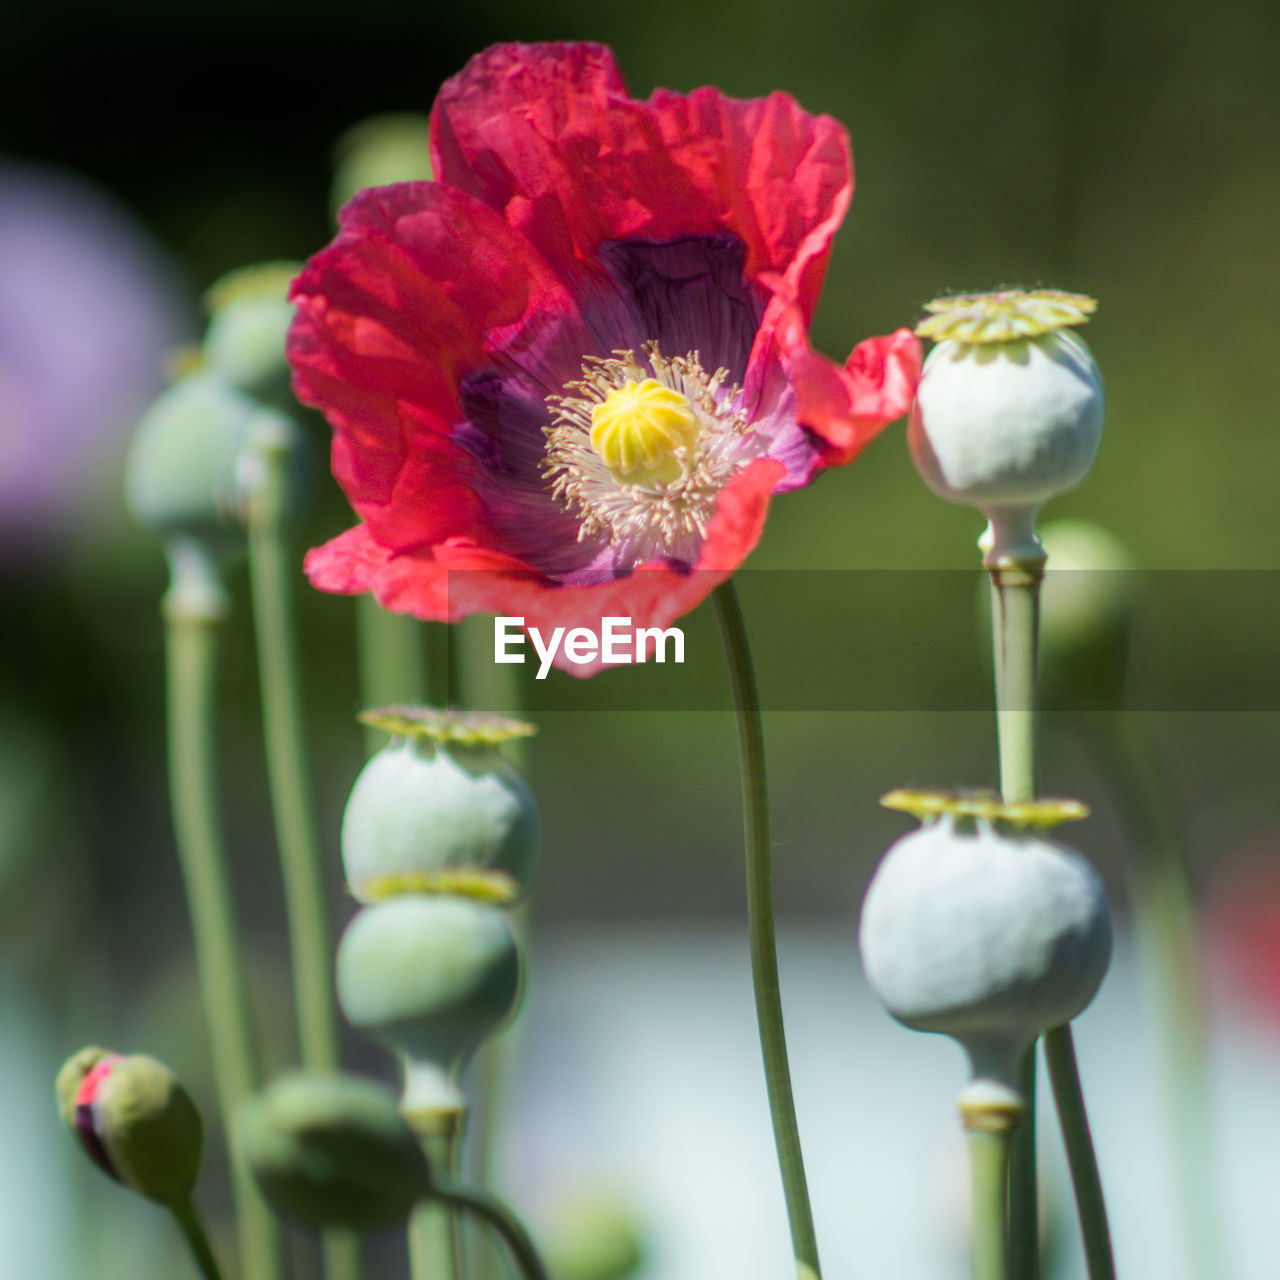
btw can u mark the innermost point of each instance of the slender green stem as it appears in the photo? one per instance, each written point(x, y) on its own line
point(197, 1239)
point(1165, 924)
point(1024, 1189)
point(192, 615)
point(1060, 1054)
point(435, 1229)
point(483, 683)
point(492, 1211)
point(1015, 601)
point(989, 1179)
point(1016, 606)
point(760, 927)
point(272, 572)
point(1015, 612)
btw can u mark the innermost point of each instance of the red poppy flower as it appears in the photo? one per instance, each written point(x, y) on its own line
point(566, 377)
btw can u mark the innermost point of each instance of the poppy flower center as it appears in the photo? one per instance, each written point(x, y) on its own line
point(640, 449)
point(643, 431)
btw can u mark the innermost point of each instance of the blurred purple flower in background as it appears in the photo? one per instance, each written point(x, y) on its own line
point(88, 311)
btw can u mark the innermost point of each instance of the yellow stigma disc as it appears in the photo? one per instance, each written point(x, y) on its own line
point(642, 430)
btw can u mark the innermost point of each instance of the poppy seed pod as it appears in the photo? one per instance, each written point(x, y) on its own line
point(1009, 409)
point(985, 933)
point(134, 1120)
point(182, 476)
point(429, 976)
point(249, 317)
point(439, 810)
point(333, 1151)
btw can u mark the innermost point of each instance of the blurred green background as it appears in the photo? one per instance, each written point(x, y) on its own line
point(1128, 150)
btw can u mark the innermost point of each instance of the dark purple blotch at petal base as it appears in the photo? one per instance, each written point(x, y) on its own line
point(87, 1132)
point(503, 431)
point(688, 295)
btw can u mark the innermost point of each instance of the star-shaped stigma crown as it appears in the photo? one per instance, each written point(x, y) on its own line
point(1006, 315)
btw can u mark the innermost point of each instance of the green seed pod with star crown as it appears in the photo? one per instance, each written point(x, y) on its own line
point(439, 810)
point(978, 927)
point(1009, 409)
point(333, 1151)
point(134, 1120)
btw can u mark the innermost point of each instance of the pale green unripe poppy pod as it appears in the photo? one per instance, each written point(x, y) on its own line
point(182, 473)
point(985, 935)
point(429, 975)
point(432, 815)
point(249, 320)
point(1009, 410)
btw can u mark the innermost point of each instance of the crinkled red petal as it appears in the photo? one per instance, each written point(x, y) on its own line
point(546, 135)
point(421, 283)
point(454, 579)
point(845, 406)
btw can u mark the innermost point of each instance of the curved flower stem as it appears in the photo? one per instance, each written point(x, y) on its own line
point(272, 571)
point(1165, 922)
point(760, 926)
point(492, 1211)
point(1060, 1054)
point(193, 610)
point(197, 1239)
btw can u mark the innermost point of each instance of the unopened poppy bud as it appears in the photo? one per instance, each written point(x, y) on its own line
point(439, 810)
point(428, 975)
point(977, 927)
point(333, 1151)
point(134, 1120)
point(249, 317)
point(1009, 409)
point(1087, 605)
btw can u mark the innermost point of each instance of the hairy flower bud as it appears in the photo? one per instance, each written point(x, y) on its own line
point(134, 1120)
point(439, 809)
point(1009, 409)
point(984, 933)
point(333, 1151)
point(428, 975)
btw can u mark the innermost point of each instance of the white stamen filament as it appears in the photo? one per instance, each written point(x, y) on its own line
point(646, 521)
